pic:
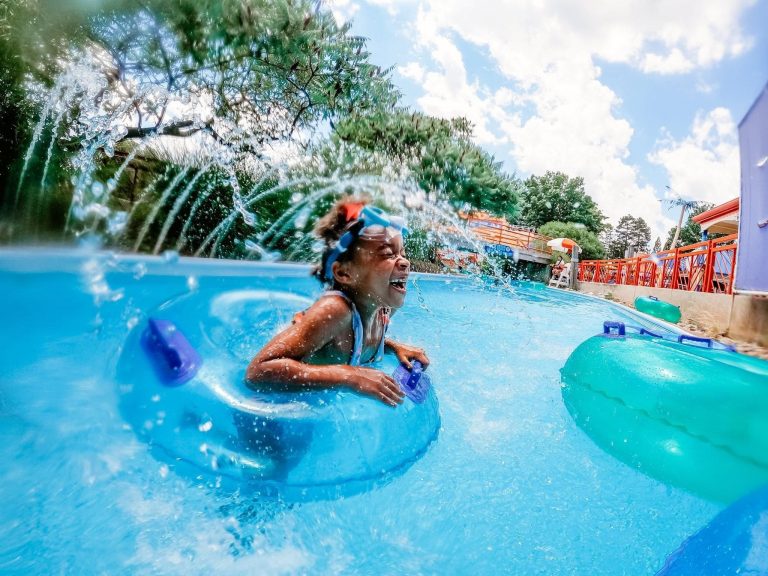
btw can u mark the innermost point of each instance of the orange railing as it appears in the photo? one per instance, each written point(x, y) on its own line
point(702, 267)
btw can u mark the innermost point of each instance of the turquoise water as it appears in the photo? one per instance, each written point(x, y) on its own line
point(511, 484)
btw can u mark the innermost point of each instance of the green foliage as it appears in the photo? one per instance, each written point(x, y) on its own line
point(685, 207)
point(255, 70)
point(240, 73)
point(15, 111)
point(632, 233)
point(419, 248)
point(591, 248)
point(437, 154)
point(556, 197)
point(690, 232)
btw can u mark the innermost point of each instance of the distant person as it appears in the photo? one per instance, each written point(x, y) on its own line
point(558, 267)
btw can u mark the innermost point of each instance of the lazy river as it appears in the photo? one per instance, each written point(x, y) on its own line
point(511, 484)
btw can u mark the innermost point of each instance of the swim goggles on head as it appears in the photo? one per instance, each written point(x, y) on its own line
point(366, 217)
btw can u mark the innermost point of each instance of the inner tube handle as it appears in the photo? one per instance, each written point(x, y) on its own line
point(683, 337)
point(609, 326)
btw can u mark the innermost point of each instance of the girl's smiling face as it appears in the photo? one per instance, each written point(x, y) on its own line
point(379, 269)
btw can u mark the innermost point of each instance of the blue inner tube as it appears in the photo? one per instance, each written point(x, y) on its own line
point(734, 542)
point(308, 444)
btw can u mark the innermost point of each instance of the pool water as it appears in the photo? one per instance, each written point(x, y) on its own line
point(511, 485)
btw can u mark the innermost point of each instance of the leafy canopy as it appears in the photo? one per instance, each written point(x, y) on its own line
point(556, 197)
point(436, 154)
point(591, 249)
point(235, 74)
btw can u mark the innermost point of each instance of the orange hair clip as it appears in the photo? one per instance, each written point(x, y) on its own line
point(351, 210)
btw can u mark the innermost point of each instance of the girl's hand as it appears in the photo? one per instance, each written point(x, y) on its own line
point(405, 353)
point(376, 384)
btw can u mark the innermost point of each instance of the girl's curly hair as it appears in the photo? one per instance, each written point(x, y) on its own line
point(330, 228)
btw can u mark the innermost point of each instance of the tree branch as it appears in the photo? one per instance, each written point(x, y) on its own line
point(175, 129)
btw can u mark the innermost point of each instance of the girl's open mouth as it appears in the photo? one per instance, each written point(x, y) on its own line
point(398, 285)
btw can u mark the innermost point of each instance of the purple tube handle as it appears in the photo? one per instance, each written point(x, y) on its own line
point(173, 357)
point(414, 383)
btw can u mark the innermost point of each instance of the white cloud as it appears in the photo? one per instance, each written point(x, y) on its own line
point(343, 10)
point(705, 164)
point(555, 113)
point(413, 70)
point(391, 6)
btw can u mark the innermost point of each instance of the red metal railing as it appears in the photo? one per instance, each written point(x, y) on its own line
point(702, 267)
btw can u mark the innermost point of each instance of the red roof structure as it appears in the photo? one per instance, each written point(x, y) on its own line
point(722, 219)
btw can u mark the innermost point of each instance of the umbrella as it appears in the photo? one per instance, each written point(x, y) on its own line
point(562, 244)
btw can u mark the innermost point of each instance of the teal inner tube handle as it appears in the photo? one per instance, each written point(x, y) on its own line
point(683, 337)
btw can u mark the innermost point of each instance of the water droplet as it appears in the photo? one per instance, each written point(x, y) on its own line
point(302, 217)
point(116, 223)
point(296, 197)
point(192, 283)
point(139, 270)
point(97, 210)
point(548, 204)
point(205, 425)
point(171, 256)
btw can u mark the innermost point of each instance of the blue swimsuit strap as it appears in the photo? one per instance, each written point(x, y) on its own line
point(358, 331)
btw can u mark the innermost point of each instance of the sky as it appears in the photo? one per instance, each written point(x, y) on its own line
point(640, 98)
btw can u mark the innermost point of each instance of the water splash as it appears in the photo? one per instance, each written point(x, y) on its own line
point(36, 134)
point(201, 198)
point(49, 154)
point(158, 205)
point(170, 219)
point(102, 116)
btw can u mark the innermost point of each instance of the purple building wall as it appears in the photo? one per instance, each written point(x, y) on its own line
point(752, 259)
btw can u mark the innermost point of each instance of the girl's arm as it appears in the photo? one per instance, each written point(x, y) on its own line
point(280, 361)
point(405, 353)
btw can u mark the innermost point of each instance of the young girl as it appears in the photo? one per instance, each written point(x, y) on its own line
point(365, 270)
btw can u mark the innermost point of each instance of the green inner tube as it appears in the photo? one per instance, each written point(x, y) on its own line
point(687, 416)
point(658, 308)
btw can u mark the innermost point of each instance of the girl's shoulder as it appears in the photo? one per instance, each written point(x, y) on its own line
point(328, 309)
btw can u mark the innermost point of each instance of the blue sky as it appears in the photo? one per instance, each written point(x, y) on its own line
point(631, 95)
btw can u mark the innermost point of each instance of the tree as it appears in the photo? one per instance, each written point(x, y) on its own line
point(591, 249)
point(683, 205)
point(606, 237)
point(630, 233)
point(437, 154)
point(690, 233)
point(558, 197)
point(230, 77)
point(249, 71)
